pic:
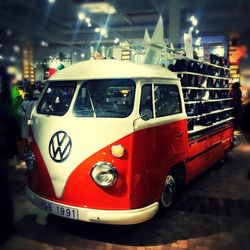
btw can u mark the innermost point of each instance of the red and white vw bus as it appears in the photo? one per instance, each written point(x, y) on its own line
point(109, 143)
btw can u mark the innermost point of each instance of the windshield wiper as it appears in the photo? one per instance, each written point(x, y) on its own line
point(91, 102)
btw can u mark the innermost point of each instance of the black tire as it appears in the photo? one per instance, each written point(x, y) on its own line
point(169, 192)
point(223, 160)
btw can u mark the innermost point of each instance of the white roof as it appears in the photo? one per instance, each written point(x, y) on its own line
point(111, 69)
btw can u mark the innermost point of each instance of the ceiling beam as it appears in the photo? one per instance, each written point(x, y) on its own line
point(127, 19)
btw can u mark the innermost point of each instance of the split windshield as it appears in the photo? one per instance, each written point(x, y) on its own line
point(105, 98)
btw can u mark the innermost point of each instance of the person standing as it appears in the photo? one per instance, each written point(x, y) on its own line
point(236, 94)
point(16, 101)
point(7, 148)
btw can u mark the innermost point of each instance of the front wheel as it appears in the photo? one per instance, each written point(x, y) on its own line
point(169, 192)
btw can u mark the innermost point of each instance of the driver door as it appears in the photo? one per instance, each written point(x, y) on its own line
point(161, 141)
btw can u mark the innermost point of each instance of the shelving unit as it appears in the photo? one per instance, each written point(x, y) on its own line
point(209, 100)
point(211, 113)
point(198, 128)
point(178, 56)
point(198, 74)
point(204, 88)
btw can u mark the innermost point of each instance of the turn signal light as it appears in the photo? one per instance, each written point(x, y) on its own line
point(117, 150)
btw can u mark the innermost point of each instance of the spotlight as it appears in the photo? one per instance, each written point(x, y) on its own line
point(1, 57)
point(44, 44)
point(193, 20)
point(75, 53)
point(197, 32)
point(87, 20)
point(97, 29)
point(198, 41)
point(191, 28)
point(12, 59)
point(82, 55)
point(9, 32)
point(116, 40)
point(103, 31)
point(16, 48)
point(81, 16)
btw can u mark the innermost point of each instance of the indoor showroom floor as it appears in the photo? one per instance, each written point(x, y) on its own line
point(213, 213)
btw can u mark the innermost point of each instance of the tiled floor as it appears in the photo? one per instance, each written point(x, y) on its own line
point(214, 213)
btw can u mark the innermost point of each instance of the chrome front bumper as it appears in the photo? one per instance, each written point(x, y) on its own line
point(115, 217)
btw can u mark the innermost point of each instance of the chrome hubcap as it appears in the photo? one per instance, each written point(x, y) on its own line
point(169, 191)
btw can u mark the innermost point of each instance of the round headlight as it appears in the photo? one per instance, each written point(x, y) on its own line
point(117, 150)
point(104, 174)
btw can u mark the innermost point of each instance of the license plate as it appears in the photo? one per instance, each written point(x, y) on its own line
point(59, 210)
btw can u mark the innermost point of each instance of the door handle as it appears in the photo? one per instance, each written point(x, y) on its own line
point(179, 134)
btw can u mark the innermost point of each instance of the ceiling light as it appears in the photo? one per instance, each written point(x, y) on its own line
point(82, 55)
point(87, 20)
point(16, 48)
point(191, 28)
point(51, 1)
point(97, 29)
point(75, 53)
point(1, 57)
point(198, 41)
point(193, 20)
point(12, 59)
point(197, 32)
point(44, 44)
point(103, 31)
point(116, 40)
point(99, 7)
point(89, 25)
point(81, 16)
point(9, 32)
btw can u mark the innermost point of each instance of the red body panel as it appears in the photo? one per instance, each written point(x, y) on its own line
point(206, 150)
point(141, 171)
point(39, 180)
point(155, 150)
point(80, 189)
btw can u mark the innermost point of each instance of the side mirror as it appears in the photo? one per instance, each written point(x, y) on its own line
point(146, 114)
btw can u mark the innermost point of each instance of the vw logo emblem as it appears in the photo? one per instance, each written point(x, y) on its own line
point(60, 146)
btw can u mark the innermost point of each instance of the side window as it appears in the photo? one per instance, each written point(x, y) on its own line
point(146, 106)
point(167, 100)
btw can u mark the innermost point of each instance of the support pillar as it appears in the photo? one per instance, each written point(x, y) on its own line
point(174, 22)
